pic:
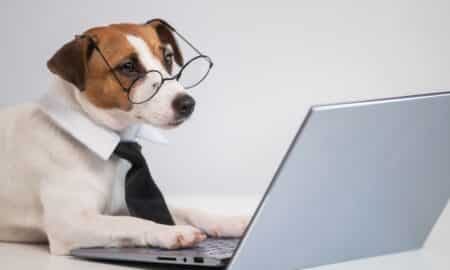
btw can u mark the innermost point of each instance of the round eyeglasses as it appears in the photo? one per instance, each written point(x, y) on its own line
point(189, 76)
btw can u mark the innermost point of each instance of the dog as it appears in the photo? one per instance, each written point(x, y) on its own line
point(57, 183)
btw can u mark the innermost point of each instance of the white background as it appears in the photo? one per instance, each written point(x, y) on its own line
point(273, 59)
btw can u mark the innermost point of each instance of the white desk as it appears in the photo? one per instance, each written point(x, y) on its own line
point(435, 255)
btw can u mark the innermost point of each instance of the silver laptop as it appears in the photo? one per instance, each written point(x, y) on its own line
point(359, 179)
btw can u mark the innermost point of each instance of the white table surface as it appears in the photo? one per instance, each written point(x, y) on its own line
point(434, 256)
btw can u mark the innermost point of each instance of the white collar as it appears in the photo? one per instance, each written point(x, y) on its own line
point(67, 114)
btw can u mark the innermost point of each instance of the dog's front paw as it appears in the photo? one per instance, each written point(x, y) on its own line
point(173, 237)
point(225, 226)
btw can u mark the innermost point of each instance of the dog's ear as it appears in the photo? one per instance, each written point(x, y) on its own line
point(166, 36)
point(70, 61)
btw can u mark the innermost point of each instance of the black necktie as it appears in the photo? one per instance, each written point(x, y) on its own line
point(142, 195)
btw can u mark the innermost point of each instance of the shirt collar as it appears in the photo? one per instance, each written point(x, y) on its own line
point(67, 114)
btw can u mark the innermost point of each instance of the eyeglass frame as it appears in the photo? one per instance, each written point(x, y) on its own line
point(144, 74)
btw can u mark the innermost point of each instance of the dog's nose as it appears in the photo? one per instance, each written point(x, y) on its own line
point(183, 105)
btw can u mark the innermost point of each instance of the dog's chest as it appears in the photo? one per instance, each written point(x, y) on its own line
point(116, 204)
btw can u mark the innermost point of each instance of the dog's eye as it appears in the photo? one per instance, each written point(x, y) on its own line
point(129, 68)
point(168, 58)
point(168, 55)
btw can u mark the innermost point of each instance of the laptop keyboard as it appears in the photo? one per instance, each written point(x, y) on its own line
point(219, 248)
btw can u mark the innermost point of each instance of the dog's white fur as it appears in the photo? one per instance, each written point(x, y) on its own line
point(54, 189)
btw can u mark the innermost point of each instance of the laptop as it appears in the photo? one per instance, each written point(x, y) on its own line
point(359, 179)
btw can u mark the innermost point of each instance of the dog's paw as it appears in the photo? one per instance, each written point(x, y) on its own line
point(216, 226)
point(58, 249)
point(173, 237)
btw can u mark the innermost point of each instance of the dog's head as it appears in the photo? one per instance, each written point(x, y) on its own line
point(105, 60)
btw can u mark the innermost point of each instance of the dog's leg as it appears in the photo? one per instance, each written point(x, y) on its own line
point(111, 231)
point(72, 223)
point(211, 224)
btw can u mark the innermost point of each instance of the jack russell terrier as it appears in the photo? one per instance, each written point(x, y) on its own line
point(58, 172)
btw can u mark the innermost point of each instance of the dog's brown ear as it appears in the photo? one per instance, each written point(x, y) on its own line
point(70, 62)
point(166, 36)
